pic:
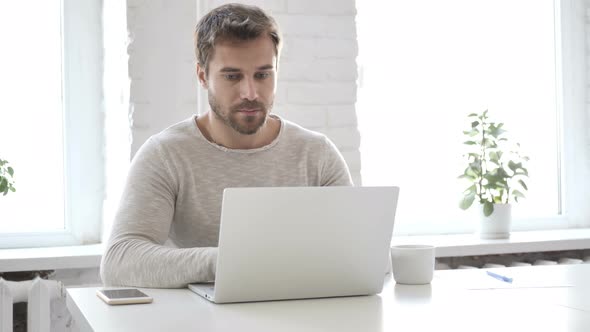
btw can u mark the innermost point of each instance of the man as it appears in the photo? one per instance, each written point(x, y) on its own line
point(176, 180)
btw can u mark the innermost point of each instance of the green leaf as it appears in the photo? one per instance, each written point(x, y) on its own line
point(495, 131)
point(467, 201)
point(3, 185)
point(502, 174)
point(473, 172)
point(494, 156)
point(523, 184)
point(469, 143)
point(471, 190)
point(471, 133)
point(512, 165)
point(10, 171)
point(488, 208)
point(497, 178)
point(475, 166)
point(474, 124)
point(468, 177)
point(488, 143)
point(517, 193)
point(472, 115)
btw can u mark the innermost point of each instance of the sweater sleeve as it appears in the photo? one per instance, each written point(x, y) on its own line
point(135, 254)
point(334, 171)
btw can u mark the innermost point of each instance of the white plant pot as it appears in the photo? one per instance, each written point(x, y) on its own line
point(497, 225)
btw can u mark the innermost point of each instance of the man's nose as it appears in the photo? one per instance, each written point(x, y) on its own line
point(248, 89)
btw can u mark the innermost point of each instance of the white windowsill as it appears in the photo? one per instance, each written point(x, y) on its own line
point(88, 256)
point(458, 245)
point(51, 258)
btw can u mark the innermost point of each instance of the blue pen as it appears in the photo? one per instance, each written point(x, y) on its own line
point(499, 277)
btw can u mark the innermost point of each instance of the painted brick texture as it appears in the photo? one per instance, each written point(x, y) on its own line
point(161, 65)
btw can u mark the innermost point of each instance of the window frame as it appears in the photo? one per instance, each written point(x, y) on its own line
point(83, 118)
point(571, 69)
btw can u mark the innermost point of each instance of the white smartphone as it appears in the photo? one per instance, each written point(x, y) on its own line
point(123, 296)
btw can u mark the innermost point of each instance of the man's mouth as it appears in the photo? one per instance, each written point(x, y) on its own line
point(248, 110)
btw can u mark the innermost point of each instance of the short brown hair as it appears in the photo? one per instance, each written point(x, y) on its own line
point(233, 22)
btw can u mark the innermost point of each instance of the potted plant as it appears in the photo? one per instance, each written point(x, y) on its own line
point(6, 178)
point(496, 173)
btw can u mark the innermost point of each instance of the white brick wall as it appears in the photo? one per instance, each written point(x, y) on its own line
point(161, 65)
point(318, 26)
point(317, 73)
point(274, 6)
point(324, 7)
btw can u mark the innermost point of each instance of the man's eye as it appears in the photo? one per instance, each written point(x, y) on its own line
point(262, 75)
point(232, 77)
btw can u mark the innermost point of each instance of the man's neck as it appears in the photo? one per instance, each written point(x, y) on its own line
point(221, 134)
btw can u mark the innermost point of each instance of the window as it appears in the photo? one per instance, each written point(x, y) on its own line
point(425, 65)
point(31, 65)
point(52, 122)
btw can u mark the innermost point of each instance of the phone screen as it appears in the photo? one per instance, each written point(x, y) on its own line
point(123, 293)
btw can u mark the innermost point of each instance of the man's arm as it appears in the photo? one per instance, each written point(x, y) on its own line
point(334, 171)
point(135, 254)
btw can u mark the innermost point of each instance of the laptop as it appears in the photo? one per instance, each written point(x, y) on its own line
point(286, 243)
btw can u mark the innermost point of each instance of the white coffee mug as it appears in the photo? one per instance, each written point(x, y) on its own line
point(412, 264)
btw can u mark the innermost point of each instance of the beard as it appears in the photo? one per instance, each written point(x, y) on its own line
point(246, 125)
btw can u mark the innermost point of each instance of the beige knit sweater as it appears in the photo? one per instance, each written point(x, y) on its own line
point(174, 190)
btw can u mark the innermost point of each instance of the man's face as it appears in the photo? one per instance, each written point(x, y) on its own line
point(241, 83)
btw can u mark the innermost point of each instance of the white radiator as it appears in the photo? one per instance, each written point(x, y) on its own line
point(38, 294)
point(513, 263)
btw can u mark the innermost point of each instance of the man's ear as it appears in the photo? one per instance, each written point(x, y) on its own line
point(202, 76)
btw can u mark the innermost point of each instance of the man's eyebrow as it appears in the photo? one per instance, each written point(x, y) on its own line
point(237, 70)
point(266, 67)
point(229, 70)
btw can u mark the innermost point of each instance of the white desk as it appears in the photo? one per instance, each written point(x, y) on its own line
point(542, 304)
